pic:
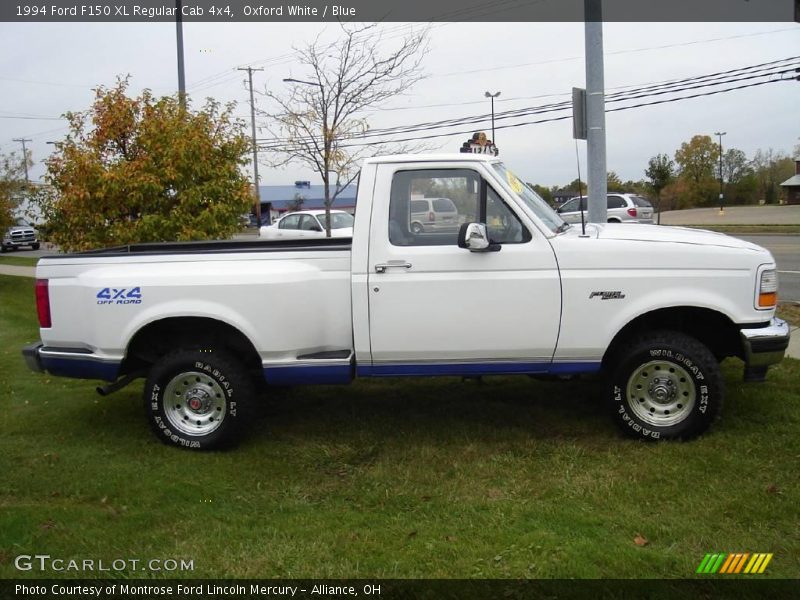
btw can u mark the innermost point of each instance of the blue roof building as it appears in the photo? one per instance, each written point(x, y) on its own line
point(281, 197)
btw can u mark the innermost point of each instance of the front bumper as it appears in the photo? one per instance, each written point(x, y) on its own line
point(764, 346)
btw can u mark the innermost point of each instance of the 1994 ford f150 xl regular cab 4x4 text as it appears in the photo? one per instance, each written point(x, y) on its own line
point(507, 288)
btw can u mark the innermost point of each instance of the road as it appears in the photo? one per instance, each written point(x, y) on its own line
point(785, 249)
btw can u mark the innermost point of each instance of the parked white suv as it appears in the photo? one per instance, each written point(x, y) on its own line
point(622, 208)
point(433, 215)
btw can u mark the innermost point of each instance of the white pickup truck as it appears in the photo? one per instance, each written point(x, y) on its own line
point(512, 290)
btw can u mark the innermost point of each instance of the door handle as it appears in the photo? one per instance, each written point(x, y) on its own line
point(392, 264)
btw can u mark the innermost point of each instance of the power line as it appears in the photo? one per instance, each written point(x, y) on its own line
point(277, 145)
point(713, 79)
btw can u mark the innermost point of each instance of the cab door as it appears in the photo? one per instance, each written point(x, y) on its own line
point(435, 308)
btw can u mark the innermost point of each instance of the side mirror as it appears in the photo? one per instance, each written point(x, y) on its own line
point(475, 238)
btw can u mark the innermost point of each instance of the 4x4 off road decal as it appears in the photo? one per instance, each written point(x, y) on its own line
point(119, 296)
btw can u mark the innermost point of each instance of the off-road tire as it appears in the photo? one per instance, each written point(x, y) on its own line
point(197, 399)
point(664, 385)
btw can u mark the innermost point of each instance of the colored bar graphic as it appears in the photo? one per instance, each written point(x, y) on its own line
point(727, 565)
point(717, 563)
point(765, 563)
point(703, 563)
point(740, 565)
point(752, 563)
point(735, 563)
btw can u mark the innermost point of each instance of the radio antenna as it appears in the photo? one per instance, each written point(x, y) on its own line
point(580, 188)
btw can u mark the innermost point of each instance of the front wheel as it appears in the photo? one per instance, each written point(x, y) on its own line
point(35, 246)
point(195, 398)
point(665, 385)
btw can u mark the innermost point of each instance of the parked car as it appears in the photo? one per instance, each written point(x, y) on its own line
point(433, 215)
point(19, 235)
point(308, 224)
point(622, 208)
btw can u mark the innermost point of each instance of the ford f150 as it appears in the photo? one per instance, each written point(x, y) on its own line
point(513, 289)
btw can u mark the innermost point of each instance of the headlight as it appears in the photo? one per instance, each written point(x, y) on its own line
point(767, 290)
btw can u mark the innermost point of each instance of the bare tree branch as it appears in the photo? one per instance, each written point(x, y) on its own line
point(329, 106)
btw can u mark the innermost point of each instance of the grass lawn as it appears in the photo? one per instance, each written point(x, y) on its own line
point(395, 478)
point(22, 261)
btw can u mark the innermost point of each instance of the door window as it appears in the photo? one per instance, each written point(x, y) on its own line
point(309, 223)
point(290, 222)
point(428, 206)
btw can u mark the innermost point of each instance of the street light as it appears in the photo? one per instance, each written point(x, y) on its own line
point(290, 80)
point(719, 134)
point(492, 96)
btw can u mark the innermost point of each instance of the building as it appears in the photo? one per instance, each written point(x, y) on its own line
point(792, 185)
point(561, 196)
point(302, 196)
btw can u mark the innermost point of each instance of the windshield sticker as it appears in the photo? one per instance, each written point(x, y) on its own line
point(515, 183)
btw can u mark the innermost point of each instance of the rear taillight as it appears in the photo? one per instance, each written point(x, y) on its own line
point(431, 216)
point(632, 212)
point(43, 303)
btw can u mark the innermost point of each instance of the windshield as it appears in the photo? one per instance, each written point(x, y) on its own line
point(339, 220)
point(531, 199)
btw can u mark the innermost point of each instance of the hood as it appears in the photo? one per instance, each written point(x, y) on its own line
point(675, 235)
point(19, 228)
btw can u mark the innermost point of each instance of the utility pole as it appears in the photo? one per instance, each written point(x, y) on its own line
point(595, 112)
point(179, 33)
point(255, 147)
point(719, 134)
point(24, 157)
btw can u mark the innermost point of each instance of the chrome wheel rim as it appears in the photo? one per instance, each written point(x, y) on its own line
point(194, 403)
point(661, 393)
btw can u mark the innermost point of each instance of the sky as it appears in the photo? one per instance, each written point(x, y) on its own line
point(49, 68)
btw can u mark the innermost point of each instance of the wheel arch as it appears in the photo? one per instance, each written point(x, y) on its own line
point(158, 338)
point(710, 327)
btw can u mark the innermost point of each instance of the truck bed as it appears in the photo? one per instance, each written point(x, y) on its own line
point(216, 247)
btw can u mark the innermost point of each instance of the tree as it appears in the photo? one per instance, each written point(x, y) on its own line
point(660, 172)
point(735, 166)
point(313, 123)
point(146, 169)
point(544, 192)
point(771, 169)
point(12, 187)
point(697, 160)
point(296, 203)
point(614, 183)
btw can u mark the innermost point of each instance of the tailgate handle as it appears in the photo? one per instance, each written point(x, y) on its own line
point(392, 264)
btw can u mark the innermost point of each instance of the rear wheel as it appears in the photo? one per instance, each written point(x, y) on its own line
point(665, 385)
point(195, 398)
